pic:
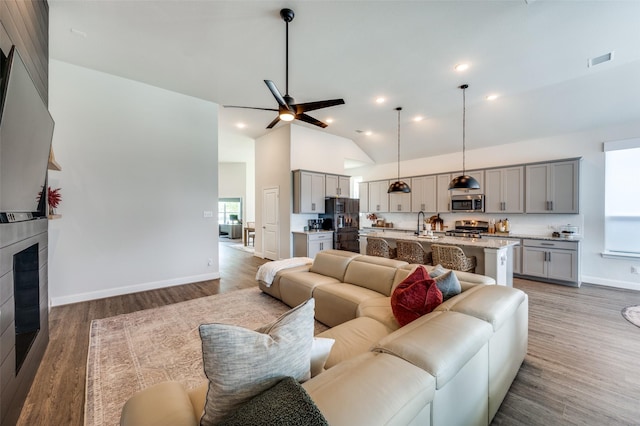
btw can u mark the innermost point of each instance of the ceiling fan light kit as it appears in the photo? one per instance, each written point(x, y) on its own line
point(287, 109)
point(464, 181)
point(399, 186)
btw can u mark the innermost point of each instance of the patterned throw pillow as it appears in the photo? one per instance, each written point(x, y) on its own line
point(242, 363)
point(447, 282)
point(415, 296)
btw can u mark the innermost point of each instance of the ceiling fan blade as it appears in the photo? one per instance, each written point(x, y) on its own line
point(308, 119)
point(310, 106)
point(274, 122)
point(246, 107)
point(276, 93)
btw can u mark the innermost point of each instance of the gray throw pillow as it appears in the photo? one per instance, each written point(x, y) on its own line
point(242, 363)
point(447, 282)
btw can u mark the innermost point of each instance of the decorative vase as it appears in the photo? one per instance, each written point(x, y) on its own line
point(52, 210)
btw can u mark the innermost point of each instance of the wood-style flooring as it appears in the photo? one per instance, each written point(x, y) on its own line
point(582, 366)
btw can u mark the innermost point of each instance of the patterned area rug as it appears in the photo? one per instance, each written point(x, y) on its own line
point(632, 314)
point(248, 249)
point(128, 353)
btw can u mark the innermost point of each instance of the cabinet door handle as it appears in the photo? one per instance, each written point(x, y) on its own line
point(551, 205)
point(547, 244)
point(377, 207)
point(549, 257)
point(399, 207)
point(313, 206)
point(422, 207)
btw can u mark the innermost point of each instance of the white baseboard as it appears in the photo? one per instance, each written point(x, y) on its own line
point(629, 285)
point(101, 294)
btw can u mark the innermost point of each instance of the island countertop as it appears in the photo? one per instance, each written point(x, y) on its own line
point(491, 243)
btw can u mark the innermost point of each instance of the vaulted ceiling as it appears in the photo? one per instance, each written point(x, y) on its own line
point(534, 55)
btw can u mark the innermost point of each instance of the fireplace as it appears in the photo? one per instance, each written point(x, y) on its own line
point(24, 311)
point(26, 297)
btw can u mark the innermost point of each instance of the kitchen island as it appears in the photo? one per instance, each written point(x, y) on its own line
point(495, 255)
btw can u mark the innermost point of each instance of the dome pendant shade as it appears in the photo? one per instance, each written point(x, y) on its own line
point(399, 186)
point(464, 182)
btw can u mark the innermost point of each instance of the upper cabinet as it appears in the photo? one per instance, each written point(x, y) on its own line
point(378, 196)
point(442, 193)
point(477, 175)
point(553, 187)
point(504, 190)
point(337, 186)
point(363, 190)
point(400, 202)
point(308, 192)
point(424, 194)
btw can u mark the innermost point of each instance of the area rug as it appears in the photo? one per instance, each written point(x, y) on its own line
point(242, 247)
point(128, 353)
point(632, 314)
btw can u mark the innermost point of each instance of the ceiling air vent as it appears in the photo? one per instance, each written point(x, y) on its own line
point(600, 59)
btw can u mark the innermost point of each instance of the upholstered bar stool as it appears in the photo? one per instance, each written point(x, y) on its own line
point(380, 247)
point(413, 252)
point(452, 257)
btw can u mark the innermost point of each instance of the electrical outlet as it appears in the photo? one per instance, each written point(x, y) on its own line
point(635, 270)
point(209, 261)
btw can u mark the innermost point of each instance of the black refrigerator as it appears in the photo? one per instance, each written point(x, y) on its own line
point(342, 216)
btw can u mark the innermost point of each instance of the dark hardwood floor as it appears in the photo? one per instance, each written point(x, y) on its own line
point(582, 366)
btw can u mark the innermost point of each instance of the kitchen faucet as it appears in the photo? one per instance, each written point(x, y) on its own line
point(424, 227)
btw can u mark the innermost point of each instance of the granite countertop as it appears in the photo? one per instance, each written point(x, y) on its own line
point(381, 230)
point(456, 241)
point(313, 232)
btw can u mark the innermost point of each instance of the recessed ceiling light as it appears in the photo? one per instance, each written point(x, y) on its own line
point(380, 100)
point(329, 120)
point(492, 97)
point(368, 133)
point(241, 125)
point(461, 67)
point(418, 118)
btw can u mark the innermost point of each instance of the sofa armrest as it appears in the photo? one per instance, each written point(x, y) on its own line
point(163, 404)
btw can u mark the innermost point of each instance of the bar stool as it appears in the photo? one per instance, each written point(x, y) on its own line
point(413, 252)
point(380, 247)
point(452, 257)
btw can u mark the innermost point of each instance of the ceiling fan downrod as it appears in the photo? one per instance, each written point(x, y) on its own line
point(287, 15)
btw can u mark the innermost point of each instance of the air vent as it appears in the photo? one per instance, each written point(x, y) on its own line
point(600, 59)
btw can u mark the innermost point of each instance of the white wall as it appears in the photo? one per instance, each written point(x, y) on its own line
point(232, 183)
point(588, 145)
point(139, 167)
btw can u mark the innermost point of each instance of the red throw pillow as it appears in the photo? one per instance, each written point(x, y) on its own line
point(415, 296)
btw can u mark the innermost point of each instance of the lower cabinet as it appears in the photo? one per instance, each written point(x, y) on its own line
point(554, 261)
point(308, 244)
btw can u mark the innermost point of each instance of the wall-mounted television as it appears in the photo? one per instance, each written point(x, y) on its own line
point(26, 129)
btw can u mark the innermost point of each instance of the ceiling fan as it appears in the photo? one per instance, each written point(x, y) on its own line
point(288, 109)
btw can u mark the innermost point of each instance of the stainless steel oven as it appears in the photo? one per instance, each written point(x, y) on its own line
point(467, 203)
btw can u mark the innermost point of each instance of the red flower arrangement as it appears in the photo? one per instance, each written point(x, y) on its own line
point(53, 197)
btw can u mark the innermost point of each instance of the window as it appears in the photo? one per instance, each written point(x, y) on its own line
point(622, 204)
point(229, 210)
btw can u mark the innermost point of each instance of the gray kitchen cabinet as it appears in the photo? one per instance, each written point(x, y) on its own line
point(400, 202)
point(551, 260)
point(553, 187)
point(424, 194)
point(308, 244)
point(443, 196)
point(378, 196)
point(363, 191)
point(308, 192)
point(504, 190)
point(337, 186)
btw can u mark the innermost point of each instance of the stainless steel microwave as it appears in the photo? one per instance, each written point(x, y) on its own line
point(467, 203)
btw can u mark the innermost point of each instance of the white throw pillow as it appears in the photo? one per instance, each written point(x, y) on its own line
point(320, 353)
point(242, 363)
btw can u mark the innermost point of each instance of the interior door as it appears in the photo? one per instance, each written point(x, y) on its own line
point(270, 223)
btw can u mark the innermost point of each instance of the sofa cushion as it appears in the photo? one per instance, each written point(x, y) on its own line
point(338, 303)
point(417, 295)
point(165, 403)
point(440, 343)
point(370, 275)
point(273, 289)
point(297, 287)
point(242, 363)
point(332, 263)
point(286, 403)
point(353, 338)
point(373, 389)
point(446, 281)
point(379, 309)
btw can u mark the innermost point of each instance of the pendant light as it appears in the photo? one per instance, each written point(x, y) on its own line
point(464, 181)
point(398, 186)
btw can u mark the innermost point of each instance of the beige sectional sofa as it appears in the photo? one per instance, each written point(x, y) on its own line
point(452, 366)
